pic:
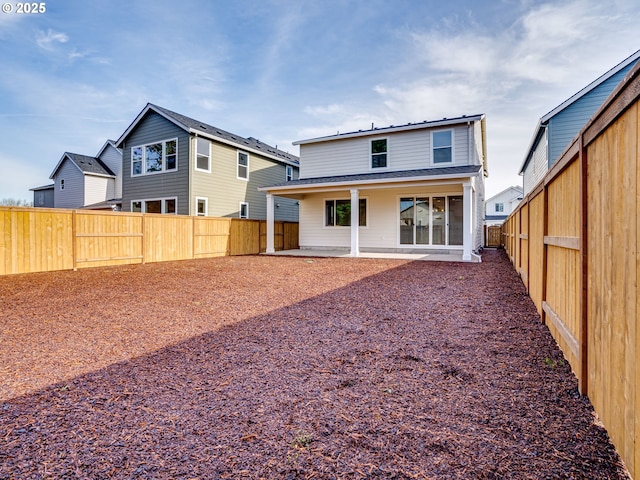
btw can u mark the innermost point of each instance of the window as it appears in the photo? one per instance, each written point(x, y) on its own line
point(156, 205)
point(442, 146)
point(379, 153)
point(154, 158)
point(203, 154)
point(499, 207)
point(201, 206)
point(62, 184)
point(289, 173)
point(244, 210)
point(243, 166)
point(338, 213)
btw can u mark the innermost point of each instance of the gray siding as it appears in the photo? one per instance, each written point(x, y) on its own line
point(564, 126)
point(43, 198)
point(113, 159)
point(73, 194)
point(225, 191)
point(154, 128)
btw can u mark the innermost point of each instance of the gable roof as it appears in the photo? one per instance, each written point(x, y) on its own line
point(107, 144)
point(393, 128)
point(86, 164)
point(518, 192)
point(544, 120)
point(203, 129)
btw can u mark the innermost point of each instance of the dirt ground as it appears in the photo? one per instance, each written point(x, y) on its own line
point(293, 368)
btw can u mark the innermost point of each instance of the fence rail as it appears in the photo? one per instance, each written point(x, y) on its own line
point(42, 240)
point(574, 242)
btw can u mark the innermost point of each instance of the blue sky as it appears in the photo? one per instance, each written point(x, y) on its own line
point(285, 70)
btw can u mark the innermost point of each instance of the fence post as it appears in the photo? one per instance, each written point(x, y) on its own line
point(74, 240)
point(583, 383)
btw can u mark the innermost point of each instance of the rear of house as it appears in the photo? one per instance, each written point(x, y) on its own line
point(415, 187)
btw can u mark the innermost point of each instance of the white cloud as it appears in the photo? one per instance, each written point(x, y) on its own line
point(47, 39)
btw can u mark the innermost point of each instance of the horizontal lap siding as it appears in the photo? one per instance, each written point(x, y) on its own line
point(613, 266)
point(73, 194)
point(407, 151)
point(154, 128)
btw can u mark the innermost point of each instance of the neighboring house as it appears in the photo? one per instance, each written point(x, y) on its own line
point(175, 164)
point(500, 206)
point(82, 181)
point(409, 188)
point(43, 196)
point(556, 129)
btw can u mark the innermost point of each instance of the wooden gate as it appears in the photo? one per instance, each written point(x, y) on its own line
point(493, 236)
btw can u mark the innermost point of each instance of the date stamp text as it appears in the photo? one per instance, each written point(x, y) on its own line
point(24, 8)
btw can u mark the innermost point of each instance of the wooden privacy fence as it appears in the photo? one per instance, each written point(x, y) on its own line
point(574, 241)
point(41, 240)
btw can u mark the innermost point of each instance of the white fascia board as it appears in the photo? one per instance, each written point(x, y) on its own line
point(200, 133)
point(141, 116)
point(379, 183)
point(401, 128)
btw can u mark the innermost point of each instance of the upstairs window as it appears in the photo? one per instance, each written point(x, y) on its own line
point(154, 158)
point(442, 146)
point(289, 173)
point(203, 154)
point(243, 166)
point(499, 207)
point(379, 153)
point(62, 184)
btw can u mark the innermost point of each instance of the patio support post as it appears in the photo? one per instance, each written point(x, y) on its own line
point(270, 218)
point(355, 222)
point(467, 223)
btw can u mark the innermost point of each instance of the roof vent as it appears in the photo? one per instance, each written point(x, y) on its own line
point(203, 127)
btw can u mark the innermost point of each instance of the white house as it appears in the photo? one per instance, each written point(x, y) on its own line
point(417, 187)
point(500, 206)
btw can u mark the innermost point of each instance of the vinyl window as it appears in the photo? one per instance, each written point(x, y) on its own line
point(379, 153)
point(202, 206)
point(442, 146)
point(243, 166)
point(338, 213)
point(156, 205)
point(203, 155)
point(244, 210)
point(153, 158)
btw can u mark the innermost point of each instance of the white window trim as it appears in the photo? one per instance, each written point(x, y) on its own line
point(206, 207)
point(62, 184)
point(453, 147)
point(144, 159)
point(333, 199)
point(162, 208)
point(379, 169)
point(195, 163)
point(288, 173)
point(238, 165)
point(240, 209)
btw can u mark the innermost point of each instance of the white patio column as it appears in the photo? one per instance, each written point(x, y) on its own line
point(467, 223)
point(355, 222)
point(270, 218)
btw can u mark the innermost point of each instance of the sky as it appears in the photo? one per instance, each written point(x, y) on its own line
point(78, 73)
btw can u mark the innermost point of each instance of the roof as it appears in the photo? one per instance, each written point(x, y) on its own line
point(395, 128)
point(424, 173)
point(86, 164)
point(106, 204)
point(495, 217)
point(518, 189)
point(44, 187)
point(203, 129)
point(539, 130)
point(104, 147)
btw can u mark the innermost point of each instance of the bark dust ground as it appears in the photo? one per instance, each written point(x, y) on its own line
point(293, 368)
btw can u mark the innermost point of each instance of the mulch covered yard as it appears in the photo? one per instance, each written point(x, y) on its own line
point(293, 368)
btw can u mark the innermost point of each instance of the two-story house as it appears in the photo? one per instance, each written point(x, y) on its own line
point(500, 206)
point(83, 181)
point(411, 188)
point(176, 164)
point(557, 129)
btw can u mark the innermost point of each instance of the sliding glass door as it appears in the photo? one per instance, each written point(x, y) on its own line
point(431, 220)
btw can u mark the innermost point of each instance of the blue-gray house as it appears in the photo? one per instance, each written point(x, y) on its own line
point(558, 128)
